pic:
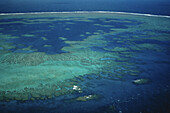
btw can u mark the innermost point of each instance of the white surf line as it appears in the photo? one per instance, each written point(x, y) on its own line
point(86, 12)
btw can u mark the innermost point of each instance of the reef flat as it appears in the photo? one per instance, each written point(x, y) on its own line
point(49, 55)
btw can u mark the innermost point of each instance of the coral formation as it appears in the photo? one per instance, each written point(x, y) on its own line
point(87, 97)
point(141, 81)
point(38, 75)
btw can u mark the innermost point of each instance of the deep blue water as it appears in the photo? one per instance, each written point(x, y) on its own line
point(160, 7)
point(52, 34)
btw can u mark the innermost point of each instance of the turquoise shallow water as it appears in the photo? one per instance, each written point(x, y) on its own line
point(93, 62)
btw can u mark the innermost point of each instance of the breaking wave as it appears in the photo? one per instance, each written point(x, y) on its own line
point(86, 12)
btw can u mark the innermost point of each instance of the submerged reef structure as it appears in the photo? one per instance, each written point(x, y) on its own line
point(41, 55)
point(141, 81)
point(88, 97)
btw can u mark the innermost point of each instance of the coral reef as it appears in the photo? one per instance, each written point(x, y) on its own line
point(141, 81)
point(37, 75)
point(87, 97)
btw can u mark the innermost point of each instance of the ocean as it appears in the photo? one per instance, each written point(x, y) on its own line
point(82, 56)
point(158, 7)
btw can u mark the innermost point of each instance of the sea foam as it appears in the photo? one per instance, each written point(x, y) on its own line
point(87, 12)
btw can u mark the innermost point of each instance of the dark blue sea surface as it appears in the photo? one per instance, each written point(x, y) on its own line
point(59, 29)
point(158, 7)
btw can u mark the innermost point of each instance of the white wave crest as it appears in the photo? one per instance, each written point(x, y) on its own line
point(86, 12)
